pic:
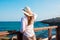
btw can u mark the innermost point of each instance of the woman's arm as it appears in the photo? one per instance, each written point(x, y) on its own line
point(23, 23)
point(35, 16)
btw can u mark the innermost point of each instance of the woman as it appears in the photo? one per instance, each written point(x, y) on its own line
point(27, 24)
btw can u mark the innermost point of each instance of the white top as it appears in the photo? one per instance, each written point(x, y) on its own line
point(27, 30)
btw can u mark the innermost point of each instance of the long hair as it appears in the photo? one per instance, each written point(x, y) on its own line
point(30, 19)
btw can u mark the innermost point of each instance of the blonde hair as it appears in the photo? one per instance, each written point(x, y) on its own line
point(30, 19)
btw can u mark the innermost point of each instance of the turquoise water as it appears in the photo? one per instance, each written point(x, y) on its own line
point(4, 26)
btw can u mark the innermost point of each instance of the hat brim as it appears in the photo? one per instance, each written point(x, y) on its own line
point(26, 13)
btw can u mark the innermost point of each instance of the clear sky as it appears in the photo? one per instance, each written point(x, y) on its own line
point(11, 10)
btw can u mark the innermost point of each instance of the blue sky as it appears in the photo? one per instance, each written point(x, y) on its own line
point(11, 10)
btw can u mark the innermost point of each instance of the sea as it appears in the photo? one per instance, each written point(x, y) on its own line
point(16, 25)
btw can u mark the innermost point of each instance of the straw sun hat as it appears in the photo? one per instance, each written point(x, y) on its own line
point(27, 11)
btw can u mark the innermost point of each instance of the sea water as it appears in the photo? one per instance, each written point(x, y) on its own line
point(15, 25)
